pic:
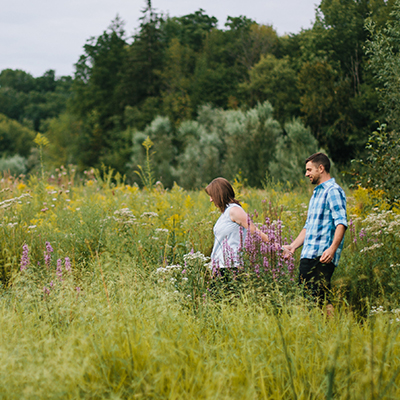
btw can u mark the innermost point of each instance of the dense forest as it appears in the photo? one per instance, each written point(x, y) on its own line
point(238, 100)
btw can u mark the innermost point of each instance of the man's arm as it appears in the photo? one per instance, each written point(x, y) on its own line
point(298, 242)
point(329, 253)
point(337, 203)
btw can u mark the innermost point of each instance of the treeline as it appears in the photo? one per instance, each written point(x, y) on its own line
point(214, 101)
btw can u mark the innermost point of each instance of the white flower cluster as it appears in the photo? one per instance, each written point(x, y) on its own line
point(382, 221)
point(161, 230)
point(380, 310)
point(377, 310)
point(168, 268)
point(373, 247)
point(149, 214)
point(196, 256)
point(9, 202)
point(124, 216)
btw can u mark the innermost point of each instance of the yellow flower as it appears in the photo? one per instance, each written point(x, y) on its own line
point(21, 186)
point(189, 203)
point(41, 140)
point(132, 189)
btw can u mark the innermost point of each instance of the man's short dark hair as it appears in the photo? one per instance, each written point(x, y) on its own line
point(320, 158)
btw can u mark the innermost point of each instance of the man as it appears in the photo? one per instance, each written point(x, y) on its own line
point(323, 234)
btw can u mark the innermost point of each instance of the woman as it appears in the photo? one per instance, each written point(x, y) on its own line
point(231, 228)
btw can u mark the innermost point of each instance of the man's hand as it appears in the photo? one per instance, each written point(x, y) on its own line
point(288, 250)
point(327, 256)
point(329, 253)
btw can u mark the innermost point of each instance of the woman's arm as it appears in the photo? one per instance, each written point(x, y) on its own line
point(239, 216)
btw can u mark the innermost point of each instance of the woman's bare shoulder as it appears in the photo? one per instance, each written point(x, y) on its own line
point(237, 213)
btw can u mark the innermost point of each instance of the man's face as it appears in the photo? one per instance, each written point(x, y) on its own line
point(313, 172)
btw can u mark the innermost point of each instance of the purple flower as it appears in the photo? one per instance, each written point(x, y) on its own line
point(362, 233)
point(25, 257)
point(59, 269)
point(67, 264)
point(49, 249)
point(78, 289)
point(47, 255)
point(265, 259)
point(46, 290)
point(352, 227)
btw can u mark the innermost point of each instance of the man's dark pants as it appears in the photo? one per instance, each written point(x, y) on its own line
point(316, 278)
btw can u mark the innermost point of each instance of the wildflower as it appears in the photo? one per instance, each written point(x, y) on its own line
point(25, 257)
point(47, 254)
point(78, 289)
point(125, 216)
point(149, 214)
point(373, 247)
point(46, 290)
point(44, 209)
point(67, 264)
point(59, 269)
point(195, 256)
point(51, 284)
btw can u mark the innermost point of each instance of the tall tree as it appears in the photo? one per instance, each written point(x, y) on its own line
point(336, 96)
point(96, 95)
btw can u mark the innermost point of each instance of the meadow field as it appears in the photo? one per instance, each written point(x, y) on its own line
point(106, 294)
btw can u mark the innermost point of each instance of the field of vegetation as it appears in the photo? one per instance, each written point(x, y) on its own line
point(106, 293)
point(105, 286)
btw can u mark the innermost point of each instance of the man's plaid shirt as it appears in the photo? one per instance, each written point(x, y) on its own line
point(327, 209)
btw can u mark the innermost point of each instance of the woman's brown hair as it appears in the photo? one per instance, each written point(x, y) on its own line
point(222, 193)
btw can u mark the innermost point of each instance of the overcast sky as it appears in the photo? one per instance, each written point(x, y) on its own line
point(38, 35)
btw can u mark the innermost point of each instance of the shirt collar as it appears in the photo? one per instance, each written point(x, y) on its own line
point(324, 185)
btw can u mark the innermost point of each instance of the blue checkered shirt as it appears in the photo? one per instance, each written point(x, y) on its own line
point(327, 209)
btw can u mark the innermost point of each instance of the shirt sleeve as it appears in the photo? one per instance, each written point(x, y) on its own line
point(337, 204)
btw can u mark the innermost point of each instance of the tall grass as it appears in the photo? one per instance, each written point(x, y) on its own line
point(106, 324)
point(124, 337)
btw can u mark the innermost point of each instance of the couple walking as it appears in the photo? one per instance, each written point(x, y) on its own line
point(321, 238)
